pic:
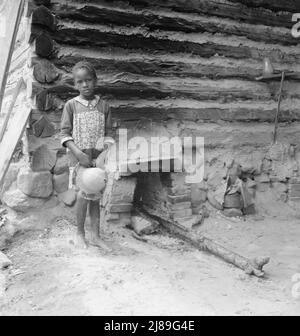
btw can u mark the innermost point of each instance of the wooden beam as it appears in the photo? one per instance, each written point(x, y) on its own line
point(164, 65)
point(208, 111)
point(193, 44)
point(170, 21)
point(222, 8)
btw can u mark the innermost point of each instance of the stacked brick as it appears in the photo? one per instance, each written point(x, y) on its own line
point(179, 196)
point(118, 198)
point(294, 189)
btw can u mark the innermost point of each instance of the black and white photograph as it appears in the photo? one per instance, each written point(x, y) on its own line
point(150, 160)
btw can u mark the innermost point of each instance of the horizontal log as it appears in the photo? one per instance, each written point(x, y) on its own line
point(170, 21)
point(166, 65)
point(275, 5)
point(220, 8)
point(206, 45)
point(190, 110)
point(123, 86)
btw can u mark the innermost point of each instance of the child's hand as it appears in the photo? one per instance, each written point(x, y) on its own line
point(84, 159)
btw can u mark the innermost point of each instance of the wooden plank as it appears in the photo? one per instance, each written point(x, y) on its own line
point(10, 17)
point(12, 136)
point(10, 109)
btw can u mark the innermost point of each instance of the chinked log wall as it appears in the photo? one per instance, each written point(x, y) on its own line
point(188, 65)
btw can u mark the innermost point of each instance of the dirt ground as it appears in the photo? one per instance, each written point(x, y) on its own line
point(164, 276)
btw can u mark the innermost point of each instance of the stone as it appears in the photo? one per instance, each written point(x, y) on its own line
point(143, 226)
point(61, 165)
point(43, 159)
point(213, 202)
point(61, 182)
point(198, 196)
point(35, 184)
point(4, 261)
point(280, 187)
point(68, 197)
point(262, 187)
point(15, 199)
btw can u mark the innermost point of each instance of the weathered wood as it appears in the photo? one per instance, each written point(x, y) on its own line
point(43, 127)
point(122, 86)
point(221, 8)
point(165, 65)
point(191, 110)
point(204, 46)
point(167, 21)
point(45, 72)
point(274, 5)
point(42, 16)
point(251, 267)
point(12, 138)
point(43, 45)
point(44, 101)
point(43, 159)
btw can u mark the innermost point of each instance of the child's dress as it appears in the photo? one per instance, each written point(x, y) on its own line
point(84, 123)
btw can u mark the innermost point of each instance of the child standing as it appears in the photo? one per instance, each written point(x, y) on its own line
point(85, 122)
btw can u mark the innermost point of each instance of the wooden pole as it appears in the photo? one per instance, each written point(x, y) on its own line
point(251, 267)
point(14, 26)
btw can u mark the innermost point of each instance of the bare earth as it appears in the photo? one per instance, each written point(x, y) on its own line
point(165, 276)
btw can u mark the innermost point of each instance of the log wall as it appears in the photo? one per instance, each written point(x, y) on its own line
point(187, 65)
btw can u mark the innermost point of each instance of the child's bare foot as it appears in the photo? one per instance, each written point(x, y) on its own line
point(81, 241)
point(97, 241)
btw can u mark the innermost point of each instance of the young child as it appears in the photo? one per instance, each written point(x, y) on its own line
point(85, 121)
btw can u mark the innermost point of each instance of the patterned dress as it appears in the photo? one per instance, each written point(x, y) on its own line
point(83, 122)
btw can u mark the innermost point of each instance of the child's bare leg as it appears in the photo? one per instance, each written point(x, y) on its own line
point(81, 216)
point(95, 225)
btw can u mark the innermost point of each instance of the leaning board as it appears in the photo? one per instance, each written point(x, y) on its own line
point(15, 128)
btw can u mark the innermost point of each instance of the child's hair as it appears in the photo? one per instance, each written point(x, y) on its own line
point(85, 65)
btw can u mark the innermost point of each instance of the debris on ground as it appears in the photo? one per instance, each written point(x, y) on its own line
point(143, 226)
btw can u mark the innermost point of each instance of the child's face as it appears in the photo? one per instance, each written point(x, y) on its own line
point(85, 83)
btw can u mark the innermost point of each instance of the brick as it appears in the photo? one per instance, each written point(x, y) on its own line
point(68, 197)
point(294, 193)
point(294, 187)
point(181, 213)
point(294, 180)
point(142, 225)
point(179, 198)
point(112, 216)
point(122, 198)
point(116, 208)
point(180, 206)
point(184, 189)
